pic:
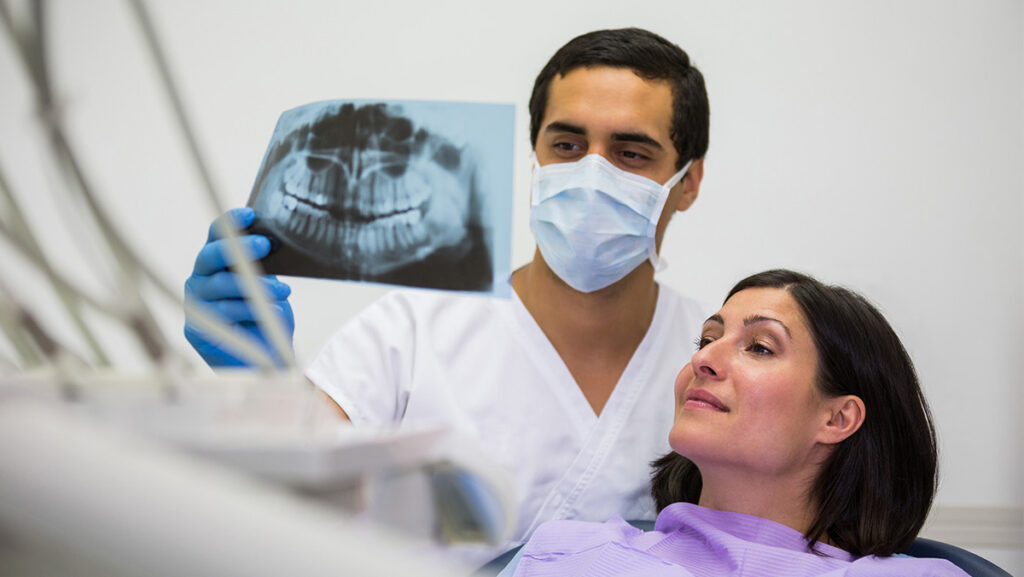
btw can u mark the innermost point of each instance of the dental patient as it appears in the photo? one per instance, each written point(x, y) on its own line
point(802, 446)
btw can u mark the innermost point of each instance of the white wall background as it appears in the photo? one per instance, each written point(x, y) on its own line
point(876, 144)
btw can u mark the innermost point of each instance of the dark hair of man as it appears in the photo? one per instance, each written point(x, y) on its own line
point(651, 57)
point(874, 491)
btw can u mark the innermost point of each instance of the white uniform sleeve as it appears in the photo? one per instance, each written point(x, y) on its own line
point(366, 365)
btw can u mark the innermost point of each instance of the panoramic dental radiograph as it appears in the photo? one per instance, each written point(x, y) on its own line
point(362, 191)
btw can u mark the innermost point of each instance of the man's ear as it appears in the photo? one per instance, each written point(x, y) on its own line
point(691, 184)
point(845, 416)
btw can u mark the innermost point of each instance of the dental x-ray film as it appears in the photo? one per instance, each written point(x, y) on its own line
point(415, 193)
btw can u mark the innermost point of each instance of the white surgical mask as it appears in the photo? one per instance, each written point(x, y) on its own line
point(594, 223)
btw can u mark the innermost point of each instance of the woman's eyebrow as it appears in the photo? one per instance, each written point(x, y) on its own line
point(715, 318)
point(754, 319)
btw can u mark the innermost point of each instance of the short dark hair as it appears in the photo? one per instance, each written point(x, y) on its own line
point(875, 490)
point(649, 56)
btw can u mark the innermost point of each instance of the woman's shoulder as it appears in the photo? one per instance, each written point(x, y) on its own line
point(570, 536)
point(581, 548)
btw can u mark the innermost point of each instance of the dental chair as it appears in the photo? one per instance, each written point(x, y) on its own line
point(972, 564)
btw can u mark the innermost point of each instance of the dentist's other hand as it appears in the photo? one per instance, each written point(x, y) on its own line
point(215, 285)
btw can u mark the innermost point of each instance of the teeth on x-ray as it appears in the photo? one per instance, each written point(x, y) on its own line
point(368, 189)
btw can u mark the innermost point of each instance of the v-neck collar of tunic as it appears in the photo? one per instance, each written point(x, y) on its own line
point(564, 386)
point(596, 435)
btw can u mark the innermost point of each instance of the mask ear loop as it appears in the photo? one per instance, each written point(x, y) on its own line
point(652, 251)
point(534, 177)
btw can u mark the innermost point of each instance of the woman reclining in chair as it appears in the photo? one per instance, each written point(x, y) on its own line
point(803, 446)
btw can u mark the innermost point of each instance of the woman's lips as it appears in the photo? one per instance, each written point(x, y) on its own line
point(701, 399)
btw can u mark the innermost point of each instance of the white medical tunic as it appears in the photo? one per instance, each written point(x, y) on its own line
point(483, 366)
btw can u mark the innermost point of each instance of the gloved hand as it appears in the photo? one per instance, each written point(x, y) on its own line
point(220, 289)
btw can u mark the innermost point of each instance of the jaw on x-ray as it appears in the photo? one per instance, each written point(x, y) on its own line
point(363, 191)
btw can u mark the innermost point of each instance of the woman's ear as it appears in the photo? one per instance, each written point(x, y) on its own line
point(690, 184)
point(845, 416)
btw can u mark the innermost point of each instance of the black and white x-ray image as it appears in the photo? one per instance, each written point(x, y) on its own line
point(415, 193)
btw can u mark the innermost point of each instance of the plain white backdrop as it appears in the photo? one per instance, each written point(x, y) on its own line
point(875, 144)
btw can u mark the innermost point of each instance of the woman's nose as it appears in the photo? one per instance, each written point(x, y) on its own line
point(707, 361)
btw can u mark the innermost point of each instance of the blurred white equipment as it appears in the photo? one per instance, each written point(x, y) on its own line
point(123, 482)
point(166, 472)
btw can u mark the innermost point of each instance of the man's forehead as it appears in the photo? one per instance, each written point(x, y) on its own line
point(604, 99)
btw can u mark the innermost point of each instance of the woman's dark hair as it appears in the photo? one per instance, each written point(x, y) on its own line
point(874, 491)
point(651, 57)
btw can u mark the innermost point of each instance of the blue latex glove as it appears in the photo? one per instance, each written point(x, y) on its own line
point(220, 289)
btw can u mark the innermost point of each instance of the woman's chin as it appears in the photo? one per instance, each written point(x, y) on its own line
point(688, 443)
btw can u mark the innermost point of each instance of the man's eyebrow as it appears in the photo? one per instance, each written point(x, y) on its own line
point(754, 319)
point(558, 126)
point(638, 137)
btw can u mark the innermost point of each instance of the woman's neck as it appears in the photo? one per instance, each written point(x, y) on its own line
point(786, 501)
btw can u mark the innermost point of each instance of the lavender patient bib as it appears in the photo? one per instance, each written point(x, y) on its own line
point(689, 540)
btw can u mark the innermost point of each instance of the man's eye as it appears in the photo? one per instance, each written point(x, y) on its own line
point(633, 160)
point(568, 150)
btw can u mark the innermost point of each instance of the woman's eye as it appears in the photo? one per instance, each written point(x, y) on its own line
point(760, 349)
point(701, 342)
